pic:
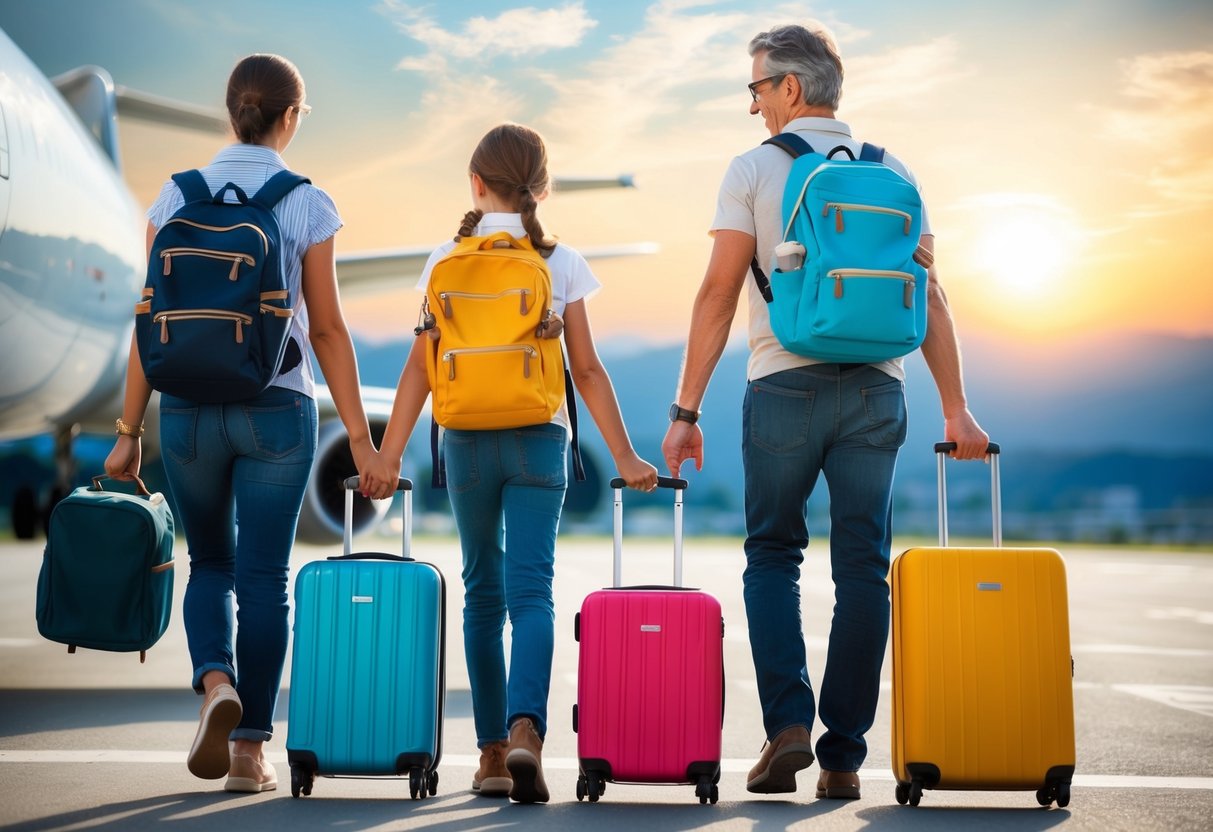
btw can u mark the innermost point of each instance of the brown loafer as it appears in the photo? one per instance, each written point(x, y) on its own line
point(782, 757)
point(524, 763)
point(838, 785)
point(250, 774)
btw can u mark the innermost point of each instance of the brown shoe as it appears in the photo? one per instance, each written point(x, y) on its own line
point(493, 779)
point(221, 712)
point(839, 785)
point(524, 764)
point(251, 774)
point(782, 757)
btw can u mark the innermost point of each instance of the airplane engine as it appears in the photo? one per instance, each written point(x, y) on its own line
point(323, 513)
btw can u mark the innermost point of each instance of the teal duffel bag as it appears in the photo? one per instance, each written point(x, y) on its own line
point(107, 570)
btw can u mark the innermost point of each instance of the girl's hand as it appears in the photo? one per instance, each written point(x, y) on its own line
point(124, 460)
point(637, 473)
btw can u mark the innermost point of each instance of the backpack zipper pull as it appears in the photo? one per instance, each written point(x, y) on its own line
point(838, 218)
point(523, 296)
point(239, 331)
point(449, 358)
point(168, 263)
point(446, 305)
point(235, 272)
point(837, 285)
point(526, 362)
point(164, 330)
point(909, 296)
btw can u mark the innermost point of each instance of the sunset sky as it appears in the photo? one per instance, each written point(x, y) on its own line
point(1065, 148)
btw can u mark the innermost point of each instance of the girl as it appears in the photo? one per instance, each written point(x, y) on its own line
point(507, 486)
point(248, 462)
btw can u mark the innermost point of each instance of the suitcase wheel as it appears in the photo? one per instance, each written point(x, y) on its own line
point(1056, 791)
point(590, 785)
point(902, 793)
point(706, 791)
point(432, 782)
point(908, 792)
point(417, 783)
point(301, 780)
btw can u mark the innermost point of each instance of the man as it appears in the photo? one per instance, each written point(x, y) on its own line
point(801, 417)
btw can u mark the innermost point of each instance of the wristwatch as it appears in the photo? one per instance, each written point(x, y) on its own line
point(681, 414)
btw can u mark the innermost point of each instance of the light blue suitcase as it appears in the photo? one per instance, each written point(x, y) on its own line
point(368, 668)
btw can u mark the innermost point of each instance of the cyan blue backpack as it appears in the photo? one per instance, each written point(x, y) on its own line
point(859, 297)
point(214, 320)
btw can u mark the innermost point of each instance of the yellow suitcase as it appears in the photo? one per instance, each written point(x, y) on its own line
point(982, 670)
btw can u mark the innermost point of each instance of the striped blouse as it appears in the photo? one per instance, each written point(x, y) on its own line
point(306, 216)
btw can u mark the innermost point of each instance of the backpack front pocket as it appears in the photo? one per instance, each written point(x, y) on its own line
point(493, 387)
point(885, 298)
point(239, 321)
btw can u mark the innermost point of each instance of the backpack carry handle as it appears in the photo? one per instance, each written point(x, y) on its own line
point(494, 241)
point(235, 189)
point(402, 484)
point(941, 455)
point(139, 486)
point(678, 485)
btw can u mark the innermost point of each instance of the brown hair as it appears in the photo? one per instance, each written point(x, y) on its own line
point(260, 89)
point(513, 163)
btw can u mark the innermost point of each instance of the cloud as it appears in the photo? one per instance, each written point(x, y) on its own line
point(1170, 114)
point(515, 33)
point(902, 77)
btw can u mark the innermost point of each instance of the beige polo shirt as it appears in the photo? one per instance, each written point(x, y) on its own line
point(750, 201)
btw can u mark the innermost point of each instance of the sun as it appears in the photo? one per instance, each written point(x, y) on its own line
point(1026, 252)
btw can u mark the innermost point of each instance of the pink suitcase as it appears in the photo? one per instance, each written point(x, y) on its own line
point(650, 679)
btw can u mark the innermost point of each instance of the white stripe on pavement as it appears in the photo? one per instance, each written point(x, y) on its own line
point(471, 761)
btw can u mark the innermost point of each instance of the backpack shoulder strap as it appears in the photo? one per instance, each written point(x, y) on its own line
point(791, 144)
point(193, 186)
point(871, 153)
point(276, 187)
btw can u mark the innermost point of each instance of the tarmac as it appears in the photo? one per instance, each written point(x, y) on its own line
point(97, 741)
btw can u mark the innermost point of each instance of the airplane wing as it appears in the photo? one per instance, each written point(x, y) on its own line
point(365, 272)
point(147, 107)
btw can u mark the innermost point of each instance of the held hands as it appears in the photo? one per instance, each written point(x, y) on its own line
point(377, 474)
point(971, 441)
point(683, 441)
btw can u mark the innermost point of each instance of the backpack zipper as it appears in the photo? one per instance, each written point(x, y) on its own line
point(235, 256)
point(446, 298)
point(837, 276)
point(238, 318)
point(528, 353)
point(838, 207)
point(265, 241)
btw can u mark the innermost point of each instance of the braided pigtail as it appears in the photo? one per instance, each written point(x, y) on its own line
point(470, 220)
point(527, 206)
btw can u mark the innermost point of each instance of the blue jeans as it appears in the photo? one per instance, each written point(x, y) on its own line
point(237, 472)
point(847, 424)
point(507, 488)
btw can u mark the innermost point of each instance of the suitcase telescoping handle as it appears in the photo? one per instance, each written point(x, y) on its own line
point(678, 486)
point(351, 485)
point(941, 455)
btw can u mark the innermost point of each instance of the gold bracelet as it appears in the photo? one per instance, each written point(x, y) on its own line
point(123, 429)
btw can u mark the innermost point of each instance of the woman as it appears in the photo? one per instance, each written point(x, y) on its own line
point(507, 486)
point(248, 462)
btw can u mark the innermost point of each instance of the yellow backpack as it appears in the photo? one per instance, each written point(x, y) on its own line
point(488, 369)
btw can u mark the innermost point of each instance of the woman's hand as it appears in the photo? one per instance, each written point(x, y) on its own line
point(637, 473)
point(124, 460)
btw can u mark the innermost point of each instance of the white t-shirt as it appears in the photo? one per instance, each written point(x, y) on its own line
point(572, 278)
point(750, 200)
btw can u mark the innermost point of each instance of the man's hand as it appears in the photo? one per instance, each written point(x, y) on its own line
point(682, 441)
point(971, 441)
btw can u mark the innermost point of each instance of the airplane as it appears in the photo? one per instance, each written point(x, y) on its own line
point(72, 264)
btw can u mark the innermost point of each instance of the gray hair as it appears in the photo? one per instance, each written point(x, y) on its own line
point(809, 55)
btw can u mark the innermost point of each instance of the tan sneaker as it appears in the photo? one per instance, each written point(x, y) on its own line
point(782, 757)
point(221, 712)
point(840, 785)
point(524, 763)
point(493, 779)
point(250, 774)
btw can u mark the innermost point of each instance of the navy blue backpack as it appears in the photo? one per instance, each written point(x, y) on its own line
point(214, 321)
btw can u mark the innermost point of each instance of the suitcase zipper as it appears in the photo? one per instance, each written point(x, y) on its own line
point(446, 298)
point(527, 354)
point(236, 257)
point(838, 207)
point(838, 275)
point(238, 318)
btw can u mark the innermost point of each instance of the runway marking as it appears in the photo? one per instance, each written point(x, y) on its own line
point(17, 642)
point(1194, 698)
point(1180, 614)
point(1143, 650)
point(472, 761)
